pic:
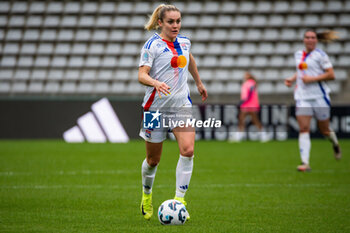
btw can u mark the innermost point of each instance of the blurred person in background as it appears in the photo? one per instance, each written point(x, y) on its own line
point(249, 106)
point(164, 65)
point(311, 93)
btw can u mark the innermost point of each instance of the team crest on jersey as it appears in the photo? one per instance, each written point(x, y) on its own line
point(145, 56)
point(184, 46)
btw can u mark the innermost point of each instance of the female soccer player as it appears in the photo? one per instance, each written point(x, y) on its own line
point(163, 69)
point(249, 106)
point(312, 94)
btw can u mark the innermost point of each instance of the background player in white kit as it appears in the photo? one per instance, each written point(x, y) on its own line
point(164, 65)
point(312, 94)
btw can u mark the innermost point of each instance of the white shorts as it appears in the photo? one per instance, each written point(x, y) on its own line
point(320, 108)
point(157, 135)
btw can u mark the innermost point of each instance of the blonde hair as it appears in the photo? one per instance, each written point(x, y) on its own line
point(325, 36)
point(158, 13)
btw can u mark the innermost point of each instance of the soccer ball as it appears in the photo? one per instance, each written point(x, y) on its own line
point(172, 212)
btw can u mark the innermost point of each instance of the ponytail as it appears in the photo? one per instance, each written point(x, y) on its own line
point(157, 14)
point(325, 36)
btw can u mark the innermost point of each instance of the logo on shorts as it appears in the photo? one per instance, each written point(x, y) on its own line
point(151, 119)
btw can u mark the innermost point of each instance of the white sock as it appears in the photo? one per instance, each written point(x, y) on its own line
point(148, 175)
point(333, 138)
point(183, 175)
point(304, 147)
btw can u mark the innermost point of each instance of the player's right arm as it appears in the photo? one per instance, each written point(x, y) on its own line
point(289, 81)
point(147, 80)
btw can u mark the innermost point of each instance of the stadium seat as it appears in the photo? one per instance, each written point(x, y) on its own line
point(198, 49)
point(334, 6)
point(69, 21)
point(88, 74)
point(283, 48)
point(129, 49)
point(207, 20)
point(263, 7)
point(266, 88)
point(253, 34)
point(35, 87)
point(190, 21)
point(122, 74)
point(55, 74)
point(343, 60)
point(328, 20)
point(109, 62)
point(48, 35)
point(137, 21)
point(226, 61)
point(5, 87)
point(317, 6)
point(8, 61)
point(206, 74)
point(89, 7)
point(270, 34)
point(79, 48)
point(105, 74)
point(116, 35)
point(229, 7)
point(16, 21)
point(68, 88)
point(231, 48)
point(54, 7)
point(86, 21)
point(232, 88)
point(6, 74)
point(299, 6)
point(211, 7)
point(134, 88)
point(341, 74)
point(134, 35)
point(242, 20)
point(209, 61)
point(62, 48)
point(112, 48)
point(334, 86)
point(38, 74)
point(18, 88)
point(45, 48)
point(103, 21)
point(11, 48)
point(260, 61)
point(19, 7)
point(92, 61)
point(85, 88)
point(344, 19)
point(202, 35)
point(96, 49)
point(28, 48)
point(247, 7)
point(243, 61)
point(3, 21)
point(281, 88)
point(219, 35)
point(216, 88)
point(4, 7)
point(214, 48)
point(224, 20)
point(42, 61)
point(293, 20)
point(277, 61)
point(272, 74)
point(125, 7)
point(25, 61)
point(275, 20)
point(221, 75)
point(265, 48)
point(51, 88)
point(76, 62)
point(236, 34)
point(194, 7)
point(14, 35)
point(121, 21)
point(99, 35)
point(248, 48)
point(101, 88)
point(288, 34)
point(127, 61)
point(83, 35)
point(51, 21)
point(72, 7)
point(34, 21)
point(334, 48)
point(142, 8)
point(311, 20)
point(58, 61)
point(281, 6)
point(259, 21)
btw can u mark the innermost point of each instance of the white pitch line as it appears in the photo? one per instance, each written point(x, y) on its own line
point(205, 186)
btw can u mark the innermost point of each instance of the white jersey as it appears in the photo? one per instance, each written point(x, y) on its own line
point(316, 63)
point(169, 64)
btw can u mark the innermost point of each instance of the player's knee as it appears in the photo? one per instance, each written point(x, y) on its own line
point(304, 129)
point(187, 151)
point(152, 162)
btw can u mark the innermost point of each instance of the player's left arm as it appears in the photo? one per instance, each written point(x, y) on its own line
point(327, 75)
point(192, 67)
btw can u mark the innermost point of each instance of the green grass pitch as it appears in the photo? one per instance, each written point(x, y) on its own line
point(51, 186)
